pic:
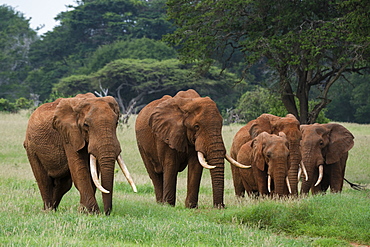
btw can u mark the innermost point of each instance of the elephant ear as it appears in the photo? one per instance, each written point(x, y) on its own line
point(261, 124)
point(167, 124)
point(65, 121)
point(244, 155)
point(259, 144)
point(340, 142)
point(112, 103)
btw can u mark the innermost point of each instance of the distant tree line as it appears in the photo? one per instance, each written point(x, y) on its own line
point(244, 56)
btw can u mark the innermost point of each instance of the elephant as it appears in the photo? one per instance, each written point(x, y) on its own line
point(268, 154)
point(324, 150)
point(272, 125)
point(177, 132)
point(65, 136)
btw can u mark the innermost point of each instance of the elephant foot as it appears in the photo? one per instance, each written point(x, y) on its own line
point(191, 205)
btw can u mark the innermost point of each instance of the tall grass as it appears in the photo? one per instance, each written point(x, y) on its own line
point(325, 220)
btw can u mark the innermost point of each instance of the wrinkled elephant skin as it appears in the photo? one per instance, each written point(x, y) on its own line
point(272, 125)
point(170, 132)
point(60, 138)
point(268, 155)
point(325, 145)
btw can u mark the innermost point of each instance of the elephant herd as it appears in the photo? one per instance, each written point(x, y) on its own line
point(73, 140)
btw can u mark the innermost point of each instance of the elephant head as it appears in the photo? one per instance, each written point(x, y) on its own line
point(268, 154)
point(290, 126)
point(186, 130)
point(324, 150)
point(87, 126)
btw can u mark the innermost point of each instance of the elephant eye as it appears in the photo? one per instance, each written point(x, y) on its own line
point(196, 127)
point(86, 125)
point(321, 142)
point(268, 155)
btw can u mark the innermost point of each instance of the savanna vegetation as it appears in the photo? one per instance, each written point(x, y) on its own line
point(311, 58)
point(323, 220)
point(251, 57)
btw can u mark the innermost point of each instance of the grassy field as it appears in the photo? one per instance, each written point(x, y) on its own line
point(325, 220)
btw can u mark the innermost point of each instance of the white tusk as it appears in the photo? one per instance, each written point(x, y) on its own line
point(203, 162)
point(126, 172)
point(288, 184)
point(94, 174)
point(304, 170)
point(299, 173)
point(269, 183)
point(321, 174)
point(236, 163)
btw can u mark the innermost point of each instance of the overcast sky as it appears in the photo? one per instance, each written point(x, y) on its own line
point(41, 12)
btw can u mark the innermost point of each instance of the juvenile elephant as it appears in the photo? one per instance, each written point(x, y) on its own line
point(62, 137)
point(268, 155)
point(175, 132)
point(272, 125)
point(324, 150)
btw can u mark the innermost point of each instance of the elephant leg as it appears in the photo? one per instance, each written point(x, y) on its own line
point(44, 182)
point(194, 177)
point(238, 184)
point(156, 175)
point(171, 165)
point(81, 178)
point(337, 174)
point(157, 180)
point(169, 186)
point(249, 188)
point(61, 186)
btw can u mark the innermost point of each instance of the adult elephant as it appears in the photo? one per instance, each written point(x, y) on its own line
point(175, 132)
point(272, 125)
point(62, 137)
point(268, 154)
point(324, 152)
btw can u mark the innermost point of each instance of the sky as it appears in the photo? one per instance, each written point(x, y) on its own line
point(41, 12)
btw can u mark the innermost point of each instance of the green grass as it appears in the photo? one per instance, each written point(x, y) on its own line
point(325, 220)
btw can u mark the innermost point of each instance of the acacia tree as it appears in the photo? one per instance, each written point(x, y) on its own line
point(135, 83)
point(308, 44)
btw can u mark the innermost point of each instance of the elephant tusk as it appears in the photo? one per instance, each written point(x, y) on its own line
point(94, 174)
point(269, 183)
point(126, 172)
point(299, 172)
point(321, 174)
point(236, 163)
point(304, 170)
point(203, 162)
point(288, 184)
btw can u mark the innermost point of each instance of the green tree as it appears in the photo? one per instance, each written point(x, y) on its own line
point(86, 28)
point(308, 44)
point(136, 82)
point(16, 36)
point(143, 48)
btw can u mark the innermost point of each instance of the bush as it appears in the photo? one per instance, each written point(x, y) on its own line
point(21, 103)
point(254, 103)
point(261, 100)
point(5, 105)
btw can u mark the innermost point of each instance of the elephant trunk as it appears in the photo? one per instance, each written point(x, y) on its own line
point(106, 164)
point(280, 180)
point(215, 157)
point(311, 171)
point(294, 161)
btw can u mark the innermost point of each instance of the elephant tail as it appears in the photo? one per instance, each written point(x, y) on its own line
point(355, 186)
